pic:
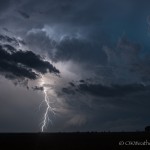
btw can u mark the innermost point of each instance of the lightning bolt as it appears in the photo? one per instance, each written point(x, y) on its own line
point(49, 108)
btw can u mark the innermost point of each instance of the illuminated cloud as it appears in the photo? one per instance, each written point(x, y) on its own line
point(16, 63)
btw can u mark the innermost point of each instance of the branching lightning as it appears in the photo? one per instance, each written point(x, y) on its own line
point(49, 108)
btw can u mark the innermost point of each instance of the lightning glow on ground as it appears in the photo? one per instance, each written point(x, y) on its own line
point(49, 108)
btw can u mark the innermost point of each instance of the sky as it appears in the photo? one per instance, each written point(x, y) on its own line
point(68, 66)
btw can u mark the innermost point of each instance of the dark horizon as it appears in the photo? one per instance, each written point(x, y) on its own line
point(75, 141)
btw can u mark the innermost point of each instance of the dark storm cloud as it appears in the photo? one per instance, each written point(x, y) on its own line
point(78, 50)
point(64, 11)
point(82, 14)
point(95, 33)
point(23, 14)
point(31, 60)
point(38, 88)
point(84, 33)
point(4, 4)
point(118, 64)
point(20, 63)
point(113, 91)
point(72, 84)
point(106, 91)
point(86, 18)
point(68, 91)
point(126, 63)
point(69, 48)
point(5, 38)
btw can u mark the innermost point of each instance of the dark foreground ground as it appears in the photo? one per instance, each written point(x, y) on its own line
point(75, 141)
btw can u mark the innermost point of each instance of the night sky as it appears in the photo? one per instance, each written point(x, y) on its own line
point(89, 58)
